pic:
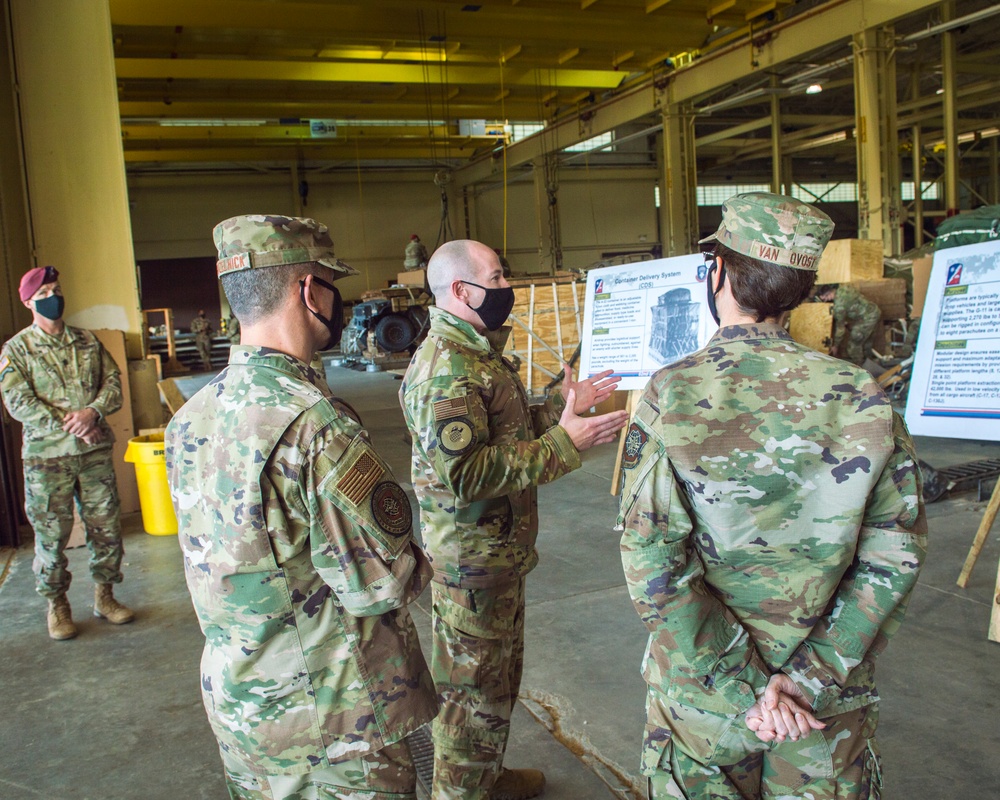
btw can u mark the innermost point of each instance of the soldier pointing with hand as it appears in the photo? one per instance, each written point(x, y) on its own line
point(479, 454)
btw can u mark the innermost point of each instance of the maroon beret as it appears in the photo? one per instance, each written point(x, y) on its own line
point(35, 279)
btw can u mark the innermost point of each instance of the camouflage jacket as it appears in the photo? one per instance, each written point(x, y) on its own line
point(479, 454)
point(850, 307)
point(299, 557)
point(773, 521)
point(415, 256)
point(43, 378)
point(201, 328)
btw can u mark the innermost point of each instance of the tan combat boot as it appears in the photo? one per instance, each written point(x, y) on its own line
point(60, 619)
point(518, 784)
point(106, 607)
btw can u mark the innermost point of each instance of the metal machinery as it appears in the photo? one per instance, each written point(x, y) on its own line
point(377, 332)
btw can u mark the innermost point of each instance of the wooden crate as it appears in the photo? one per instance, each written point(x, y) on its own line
point(546, 321)
point(889, 294)
point(812, 325)
point(847, 260)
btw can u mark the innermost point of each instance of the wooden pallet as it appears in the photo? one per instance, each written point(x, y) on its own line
point(547, 322)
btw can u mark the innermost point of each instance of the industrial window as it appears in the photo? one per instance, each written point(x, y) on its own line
point(928, 191)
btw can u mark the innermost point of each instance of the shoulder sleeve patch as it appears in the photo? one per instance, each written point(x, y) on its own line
point(391, 509)
point(360, 478)
point(4, 365)
point(635, 440)
point(456, 436)
point(450, 407)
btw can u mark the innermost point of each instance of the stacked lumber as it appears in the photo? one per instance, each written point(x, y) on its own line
point(546, 322)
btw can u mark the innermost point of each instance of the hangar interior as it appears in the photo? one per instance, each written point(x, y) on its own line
point(563, 133)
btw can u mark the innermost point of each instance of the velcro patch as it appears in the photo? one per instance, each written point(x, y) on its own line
point(635, 440)
point(360, 478)
point(391, 509)
point(452, 407)
point(456, 436)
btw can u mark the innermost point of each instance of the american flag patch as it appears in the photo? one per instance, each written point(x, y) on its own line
point(360, 478)
point(452, 407)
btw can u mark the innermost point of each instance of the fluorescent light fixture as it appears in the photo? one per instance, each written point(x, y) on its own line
point(814, 88)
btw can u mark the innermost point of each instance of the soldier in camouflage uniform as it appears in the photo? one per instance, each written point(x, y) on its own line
point(202, 330)
point(416, 254)
point(855, 319)
point(297, 543)
point(479, 452)
point(232, 329)
point(60, 383)
point(773, 533)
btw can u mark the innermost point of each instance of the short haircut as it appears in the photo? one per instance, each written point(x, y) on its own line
point(255, 294)
point(762, 289)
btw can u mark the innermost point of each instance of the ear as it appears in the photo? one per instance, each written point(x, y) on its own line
point(306, 290)
point(27, 304)
point(460, 290)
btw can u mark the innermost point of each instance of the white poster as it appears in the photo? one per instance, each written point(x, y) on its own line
point(640, 317)
point(955, 387)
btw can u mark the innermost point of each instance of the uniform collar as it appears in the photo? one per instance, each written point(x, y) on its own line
point(448, 326)
point(751, 332)
point(67, 336)
point(243, 355)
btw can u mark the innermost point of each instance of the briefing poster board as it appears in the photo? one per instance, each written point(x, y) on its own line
point(640, 317)
point(955, 387)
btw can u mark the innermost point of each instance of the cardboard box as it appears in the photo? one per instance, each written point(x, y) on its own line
point(413, 277)
point(847, 260)
point(889, 294)
point(921, 280)
point(121, 423)
point(147, 410)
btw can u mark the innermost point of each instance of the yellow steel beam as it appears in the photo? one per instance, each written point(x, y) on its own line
point(652, 5)
point(267, 133)
point(348, 151)
point(568, 55)
point(415, 107)
point(621, 58)
point(331, 72)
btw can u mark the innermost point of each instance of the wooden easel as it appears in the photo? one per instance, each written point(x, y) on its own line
point(970, 560)
point(616, 479)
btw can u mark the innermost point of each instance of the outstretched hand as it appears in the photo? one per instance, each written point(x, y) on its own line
point(783, 713)
point(589, 431)
point(589, 392)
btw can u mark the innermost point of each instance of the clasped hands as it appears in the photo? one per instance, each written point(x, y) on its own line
point(83, 423)
point(783, 713)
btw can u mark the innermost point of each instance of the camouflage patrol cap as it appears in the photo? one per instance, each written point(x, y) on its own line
point(774, 228)
point(253, 241)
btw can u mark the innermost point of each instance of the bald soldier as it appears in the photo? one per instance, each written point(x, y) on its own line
point(479, 454)
point(297, 543)
point(773, 534)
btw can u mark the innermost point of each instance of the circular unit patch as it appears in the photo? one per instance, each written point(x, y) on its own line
point(391, 509)
point(455, 436)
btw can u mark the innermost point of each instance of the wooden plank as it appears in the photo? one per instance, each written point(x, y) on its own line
point(555, 306)
point(616, 478)
point(981, 535)
point(171, 394)
point(994, 634)
point(531, 339)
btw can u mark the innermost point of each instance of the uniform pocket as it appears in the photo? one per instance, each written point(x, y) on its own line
point(654, 745)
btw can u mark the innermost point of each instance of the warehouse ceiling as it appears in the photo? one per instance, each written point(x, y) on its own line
point(327, 84)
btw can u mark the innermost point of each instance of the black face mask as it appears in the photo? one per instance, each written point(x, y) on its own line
point(711, 295)
point(335, 322)
point(496, 306)
point(51, 307)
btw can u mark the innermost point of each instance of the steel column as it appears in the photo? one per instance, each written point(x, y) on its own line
point(680, 233)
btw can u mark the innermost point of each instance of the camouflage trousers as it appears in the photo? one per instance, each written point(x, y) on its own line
point(50, 487)
point(858, 342)
point(204, 346)
point(478, 656)
point(387, 774)
point(690, 754)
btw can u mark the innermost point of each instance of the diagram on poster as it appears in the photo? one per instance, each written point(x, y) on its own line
point(640, 317)
point(955, 388)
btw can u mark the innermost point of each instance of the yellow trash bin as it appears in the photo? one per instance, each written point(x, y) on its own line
point(149, 456)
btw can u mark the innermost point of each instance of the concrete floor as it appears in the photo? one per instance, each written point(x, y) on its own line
point(116, 713)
